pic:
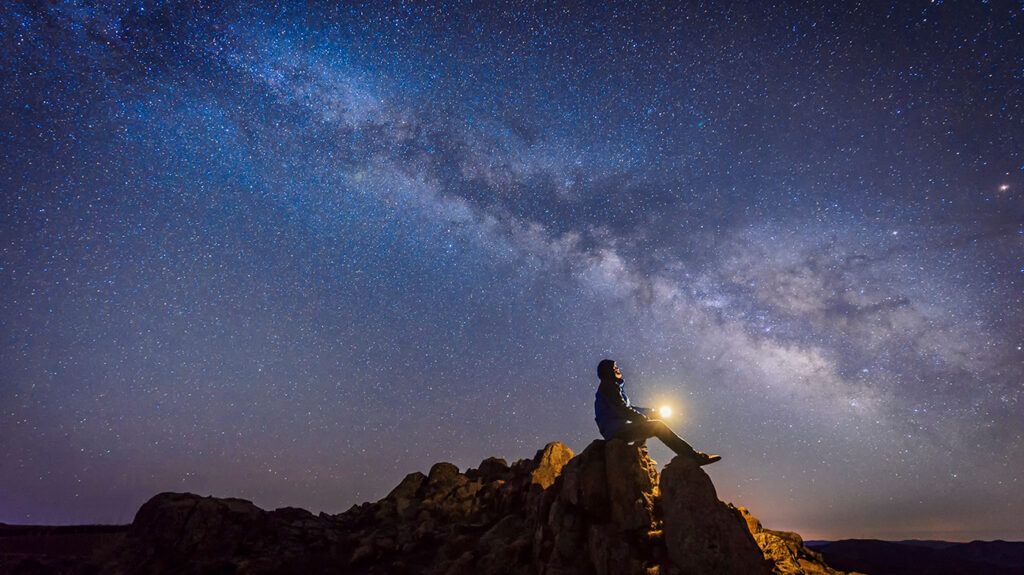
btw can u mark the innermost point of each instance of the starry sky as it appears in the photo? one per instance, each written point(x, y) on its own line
point(291, 253)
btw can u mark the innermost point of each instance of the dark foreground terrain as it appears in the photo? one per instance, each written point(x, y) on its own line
point(52, 548)
point(604, 511)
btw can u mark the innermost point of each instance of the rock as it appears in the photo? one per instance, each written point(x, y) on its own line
point(549, 463)
point(362, 553)
point(173, 531)
point(753, 523)
point(491, 469)
point(632, 485)
point(602, 514)
point(442, 475)
point(461, 566)
point(605, 511)
point(585, 482)
point(409, 486)
point(786, 550)
point(292, 514)
point(190, 524)
point(703, 534)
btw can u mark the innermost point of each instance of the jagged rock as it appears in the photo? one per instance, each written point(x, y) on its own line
point(632, 485)
point(408, 487)
point(703, 534)
point(403, 496)
point(549, 464)
point(605, 511)
point(491, 469)
point(605, 508)
point(786, 550)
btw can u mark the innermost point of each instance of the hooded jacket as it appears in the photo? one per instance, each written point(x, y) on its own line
point(612, 408)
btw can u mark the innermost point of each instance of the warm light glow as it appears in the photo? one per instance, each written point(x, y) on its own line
point(665, 411)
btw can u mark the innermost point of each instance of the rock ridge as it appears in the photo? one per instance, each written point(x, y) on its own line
point(605, 511)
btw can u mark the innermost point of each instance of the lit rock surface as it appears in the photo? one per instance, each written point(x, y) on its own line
point(786, 550)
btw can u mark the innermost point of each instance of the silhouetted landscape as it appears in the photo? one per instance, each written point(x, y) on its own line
point(606, 510)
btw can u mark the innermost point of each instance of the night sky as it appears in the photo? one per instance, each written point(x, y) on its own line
point(293, 253)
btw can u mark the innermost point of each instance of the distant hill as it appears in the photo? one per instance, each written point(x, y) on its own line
point(45, 549)
point(923, 557)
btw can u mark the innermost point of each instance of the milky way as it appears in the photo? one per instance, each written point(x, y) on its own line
point(292, 253)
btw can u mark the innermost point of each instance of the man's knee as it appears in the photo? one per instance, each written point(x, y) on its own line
point(657, 425)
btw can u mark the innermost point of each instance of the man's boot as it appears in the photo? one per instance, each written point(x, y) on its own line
point(706, 458)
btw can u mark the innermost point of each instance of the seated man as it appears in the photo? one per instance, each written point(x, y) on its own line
point(618, 419)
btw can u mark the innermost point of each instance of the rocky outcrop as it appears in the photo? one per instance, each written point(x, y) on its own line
point(605, 511)
point(186, 533)
point(786, 550)
point(704, 535)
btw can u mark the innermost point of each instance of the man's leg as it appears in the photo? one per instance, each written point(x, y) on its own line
point(639, 430)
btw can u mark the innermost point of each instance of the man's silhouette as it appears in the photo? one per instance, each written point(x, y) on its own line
point(618, 419)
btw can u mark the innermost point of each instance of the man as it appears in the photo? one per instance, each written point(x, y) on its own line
point(618, 419)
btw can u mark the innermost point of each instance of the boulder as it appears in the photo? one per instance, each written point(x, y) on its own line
point(786, 551)
point(409, 486)
point(190, 524)
point(490, 469)
point(703, 534)
point(632, 485)
point(442, 475)
point(549, 463)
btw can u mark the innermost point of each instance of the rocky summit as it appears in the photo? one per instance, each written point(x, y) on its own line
point(605, 511)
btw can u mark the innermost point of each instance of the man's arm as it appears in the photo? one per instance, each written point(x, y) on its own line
point(650, 412)
point(618, 402)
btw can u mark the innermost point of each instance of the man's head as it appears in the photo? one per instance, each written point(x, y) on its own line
point(608, 370)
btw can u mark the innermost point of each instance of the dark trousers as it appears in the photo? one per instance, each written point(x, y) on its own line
point(640, 430)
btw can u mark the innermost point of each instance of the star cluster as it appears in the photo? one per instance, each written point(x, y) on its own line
point(292, 252)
